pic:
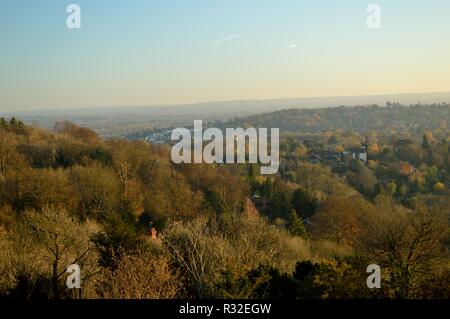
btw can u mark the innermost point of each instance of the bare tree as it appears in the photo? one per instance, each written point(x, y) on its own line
point(141, 275)
point(197, 251)
point(408, 244)
point(47, 242)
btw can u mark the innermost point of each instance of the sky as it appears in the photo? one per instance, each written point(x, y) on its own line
point(148, 52)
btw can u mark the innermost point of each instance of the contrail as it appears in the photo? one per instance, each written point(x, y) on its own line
point(221, 40)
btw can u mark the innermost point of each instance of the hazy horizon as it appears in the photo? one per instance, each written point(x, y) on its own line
point(272, 104)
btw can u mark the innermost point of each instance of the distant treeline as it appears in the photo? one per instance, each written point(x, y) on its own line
point(359, 118)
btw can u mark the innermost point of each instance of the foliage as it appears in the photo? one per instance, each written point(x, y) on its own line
point(224, 231)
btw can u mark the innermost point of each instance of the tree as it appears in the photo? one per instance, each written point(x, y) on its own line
point(312, 178)
point(217, 261)
point(141, 275)
point(169, 196)
point(295, 225)
point(373, 149)
point(97, 190)
point(81, 133)
point(13, 122)
point(250, 285)
point(333, 140)
point(304, 205)
point(427, 140)
point(46, 242)
point(7, 151)
point(439, 187)
point(17, 126)
point(329, 279)
point(3, 123)
point(391, 187)
point(224, 185)
point(362, 178)
point(411, 153)
point(197, 252)
point(280, 200)
point(409, 245)
point(40, 188)
point(339, 219)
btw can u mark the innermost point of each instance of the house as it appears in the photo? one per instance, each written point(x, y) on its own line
point(358, 154)
point(331, 158)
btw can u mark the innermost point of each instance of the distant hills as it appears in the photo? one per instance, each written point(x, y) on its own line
point(362, 119)
point(116, 121)
point(359, 118)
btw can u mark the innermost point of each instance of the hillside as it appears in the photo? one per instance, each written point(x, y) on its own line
point(135, 222)
point(359, 118)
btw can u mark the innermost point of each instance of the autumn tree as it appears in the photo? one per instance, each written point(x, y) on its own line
point(198, 252)
point(339, 219)
point(81, 133)
point(8, 154)
point(45, 243)
point(409, 245)
point(96, 189)
point(141, 275)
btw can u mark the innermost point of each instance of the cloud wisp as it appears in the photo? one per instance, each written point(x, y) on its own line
point(221, 40)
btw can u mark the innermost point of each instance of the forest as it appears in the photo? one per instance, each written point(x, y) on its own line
point(141, 227)
point(364, 118)
point(360, 119)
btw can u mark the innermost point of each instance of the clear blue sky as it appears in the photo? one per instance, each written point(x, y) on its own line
point(142, 52)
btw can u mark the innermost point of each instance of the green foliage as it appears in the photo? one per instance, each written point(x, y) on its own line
point(334, 279)
point(304, 205)
point(120, 236)
point(295, 225)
